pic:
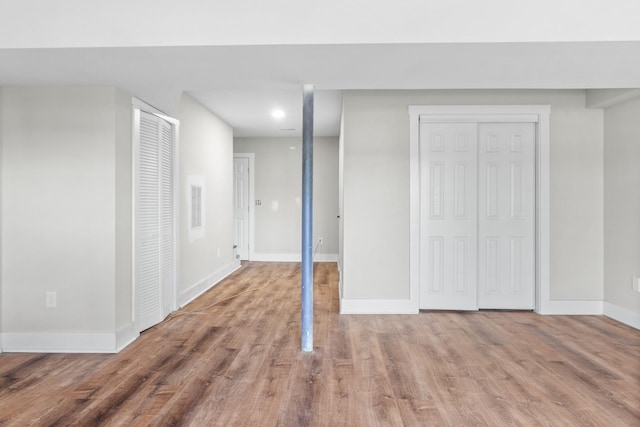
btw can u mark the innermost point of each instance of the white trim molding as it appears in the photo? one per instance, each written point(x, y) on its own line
point(204, 285)
point(265, 257)
point(378, 306)
point(621, 314)
point(126, 335)
point(538, 114)
point(26, 342)
point(571, 307)
point(44, 342)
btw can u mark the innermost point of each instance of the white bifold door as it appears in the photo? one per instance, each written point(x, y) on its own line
point(477, 224)
point(154, 221)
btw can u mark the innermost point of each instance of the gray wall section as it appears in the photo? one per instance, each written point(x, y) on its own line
point(206, 150)
point(67, 206)
point(622, 204)
point(124, 209)
point(376, 188)
point(58, 209)
point(1, 210)
point(278, 185)
point(66, 199)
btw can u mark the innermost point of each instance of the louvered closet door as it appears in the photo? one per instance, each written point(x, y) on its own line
point(448, 208)
point(154, 221)
point(167, 267)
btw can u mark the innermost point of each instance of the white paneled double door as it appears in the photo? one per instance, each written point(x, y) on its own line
point(477, 216)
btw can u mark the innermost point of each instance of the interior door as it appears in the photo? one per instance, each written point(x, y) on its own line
point(154, 219)
point(477, 224)
point(448, 241)
point(167, 234)
point(506, 225)
point(241, 205)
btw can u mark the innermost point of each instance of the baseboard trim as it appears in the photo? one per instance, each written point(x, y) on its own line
point(263, 257)
point(339, 284)
point(571, 307)
point(203, 286)
point(126, 335)
point(378, 306)
point(623, 315)
point(15, 342)
point(408, 306)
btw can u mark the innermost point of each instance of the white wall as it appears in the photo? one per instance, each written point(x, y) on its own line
point(1, 186)
point(59, 201)
point(278, 185)
point(376, 189)
point(341, 200)
point(205, 151)
point(123, 210)
point(622, 205)
point(67, 214)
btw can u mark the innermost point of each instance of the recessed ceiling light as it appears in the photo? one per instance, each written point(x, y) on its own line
point(277, 114)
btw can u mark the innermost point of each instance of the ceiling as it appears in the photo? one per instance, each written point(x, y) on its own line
point(249, 111)
point(243, 84)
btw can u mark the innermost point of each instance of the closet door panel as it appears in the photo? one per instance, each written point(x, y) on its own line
point(448, 241)
point(506, 223)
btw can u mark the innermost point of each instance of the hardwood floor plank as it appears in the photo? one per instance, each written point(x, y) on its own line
point(232, 358)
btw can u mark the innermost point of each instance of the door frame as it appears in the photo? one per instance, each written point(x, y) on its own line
point(251, 157)
point(138, 106)
point(537, 114)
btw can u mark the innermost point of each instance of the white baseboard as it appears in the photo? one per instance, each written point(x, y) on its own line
point(571, 307)
point(126, 335)
point(325, 258)
point(198, 289)
point(378, 306)
point(16, 342)
point(407, 306)
point(621, 314)
point(262, 257)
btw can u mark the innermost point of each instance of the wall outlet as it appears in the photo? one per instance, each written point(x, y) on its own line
point(636, 284)
point(52, 300)
point(320, 240)
point(218, 252)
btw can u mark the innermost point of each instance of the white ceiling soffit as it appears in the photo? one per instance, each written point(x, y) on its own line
point(338, 67)
point(254, 74)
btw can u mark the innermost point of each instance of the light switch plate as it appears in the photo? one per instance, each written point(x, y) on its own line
point(51, 300)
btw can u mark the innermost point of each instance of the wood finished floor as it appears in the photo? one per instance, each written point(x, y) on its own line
point(232, 358)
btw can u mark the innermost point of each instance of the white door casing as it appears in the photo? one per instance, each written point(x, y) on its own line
point(506, 211)
point(448, 205)
point(241, 205)
point(154, 219)
point(539, 115)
